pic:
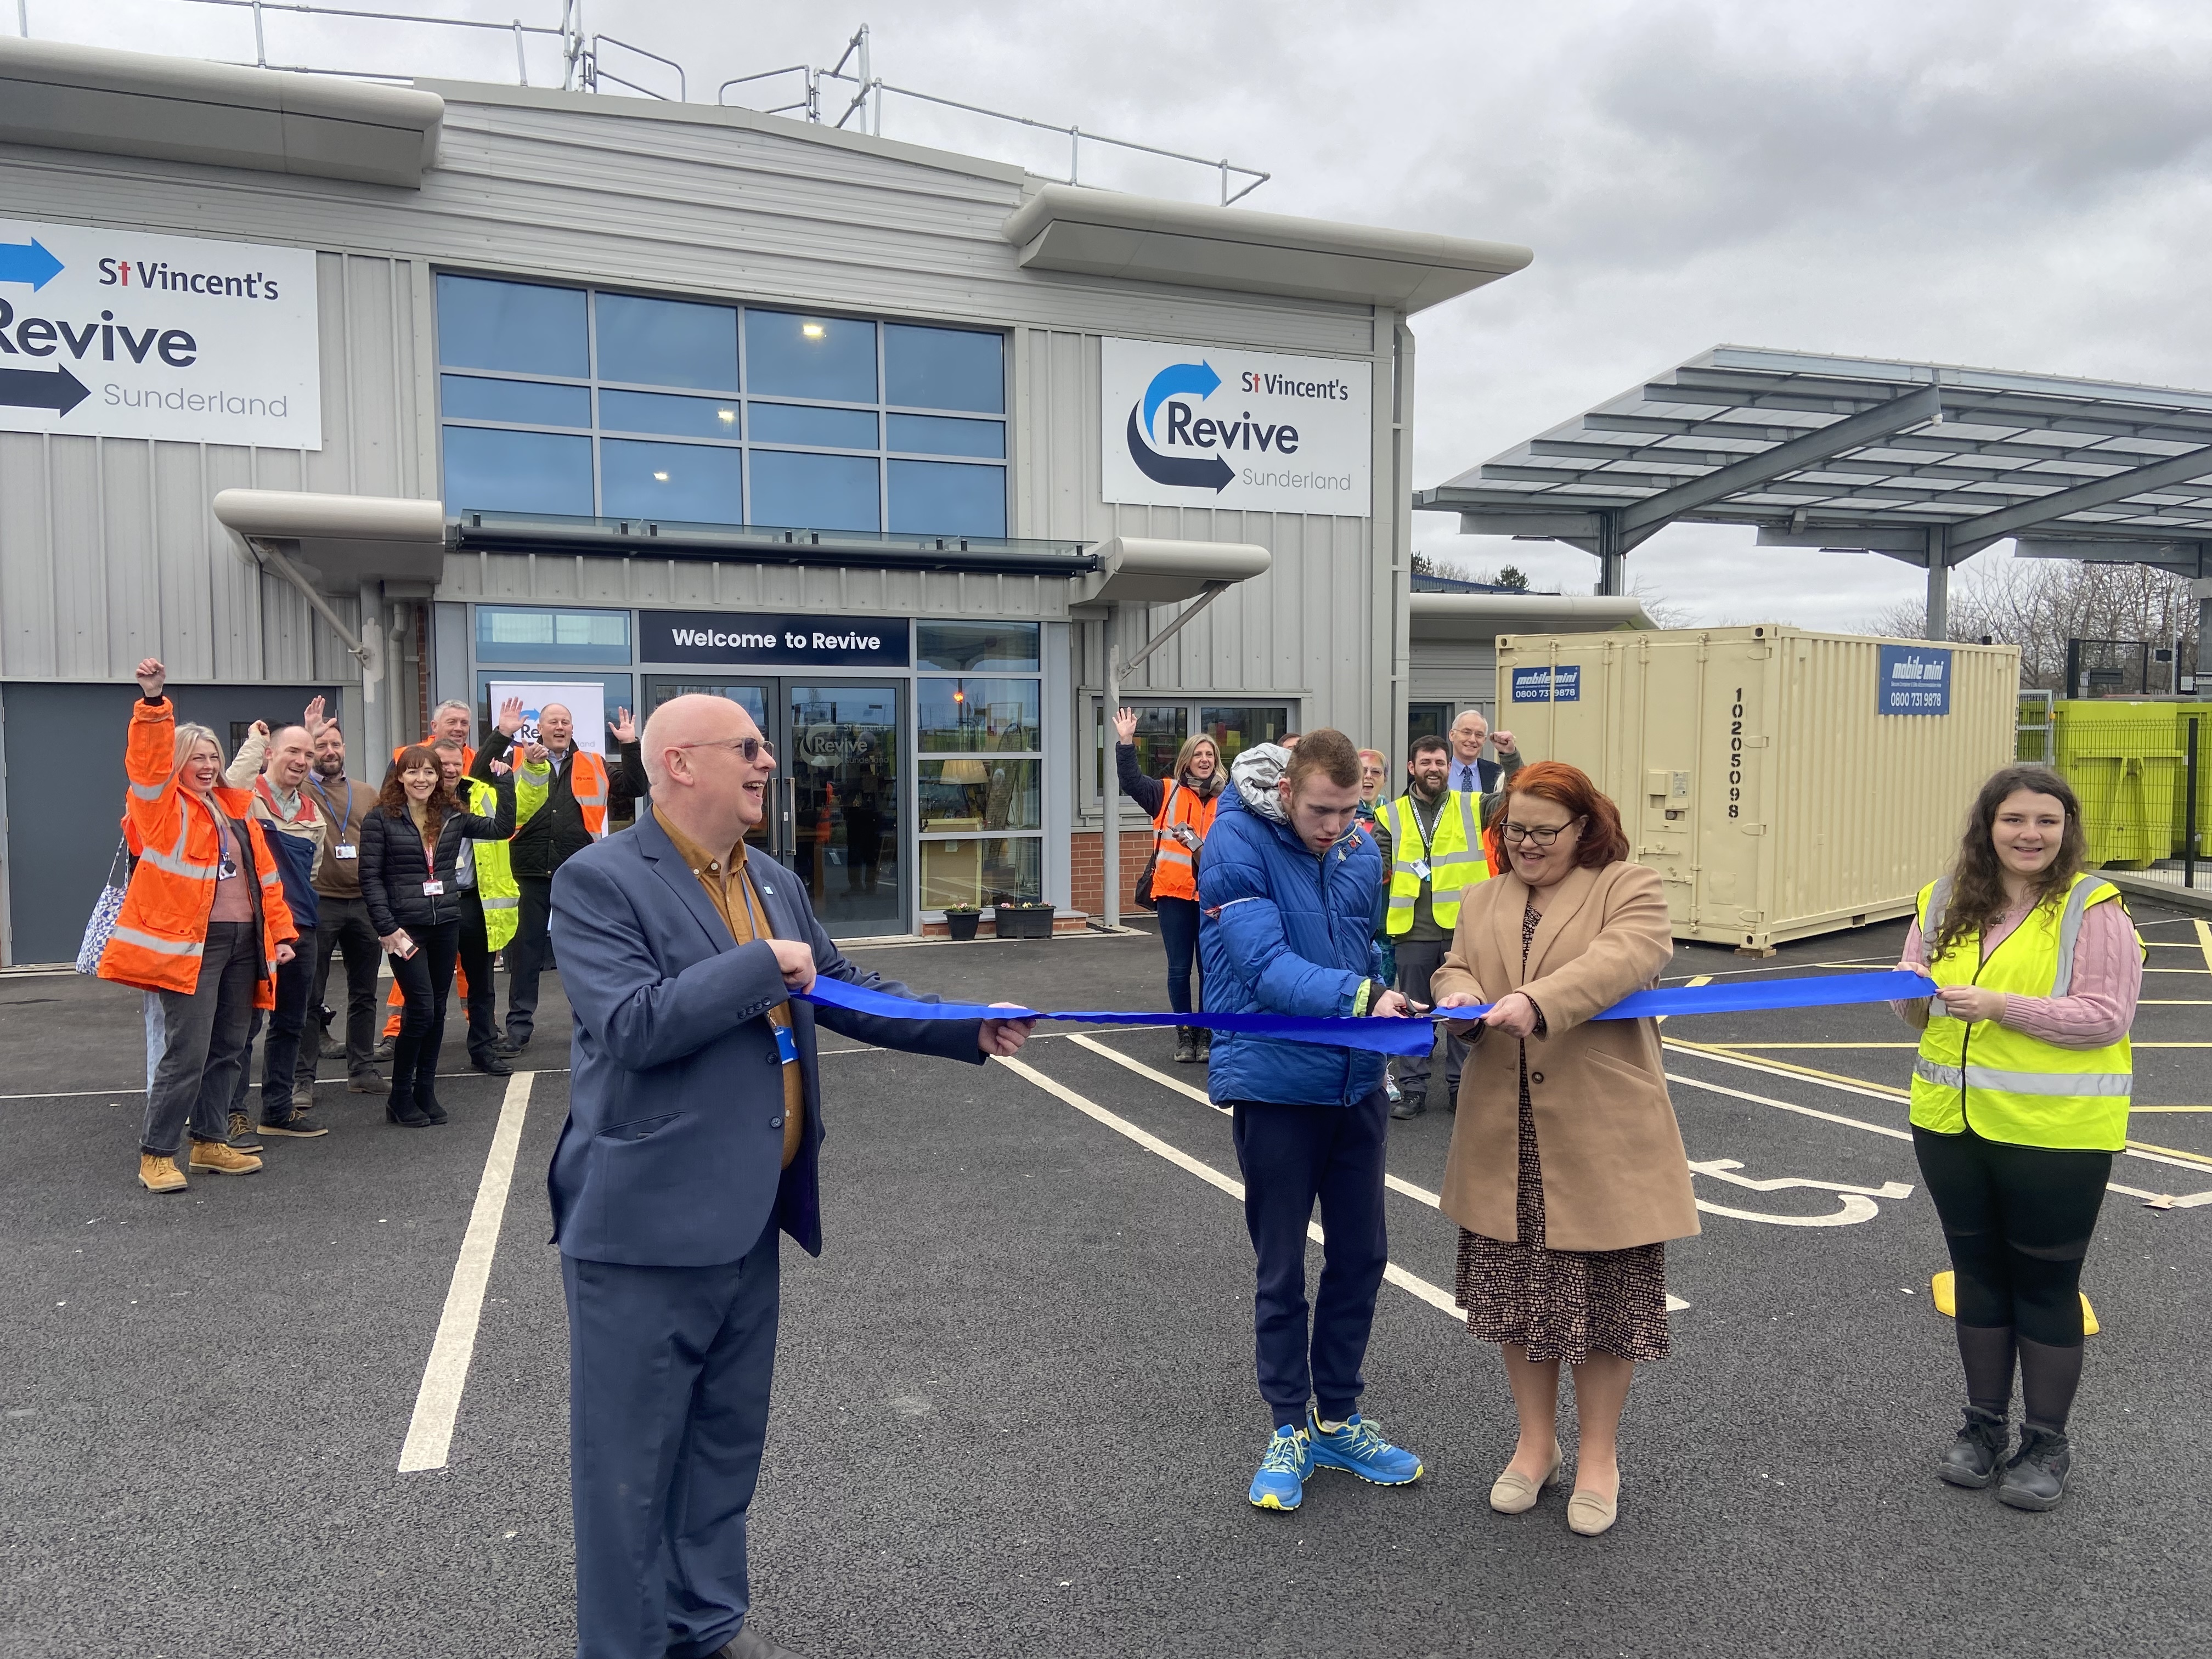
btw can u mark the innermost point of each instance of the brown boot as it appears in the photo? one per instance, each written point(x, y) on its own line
point(159, 1174)
point(218, 1159)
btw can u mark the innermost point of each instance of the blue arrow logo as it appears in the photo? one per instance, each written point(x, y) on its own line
point(30, 262)
point(1174, 378)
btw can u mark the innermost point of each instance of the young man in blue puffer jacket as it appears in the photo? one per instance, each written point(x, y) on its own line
point(1287, 896)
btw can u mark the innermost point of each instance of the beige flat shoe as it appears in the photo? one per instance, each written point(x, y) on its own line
point(1515, 1494)
point(1590, 1515)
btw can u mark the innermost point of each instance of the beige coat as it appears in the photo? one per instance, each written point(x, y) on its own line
point(1615, 1174)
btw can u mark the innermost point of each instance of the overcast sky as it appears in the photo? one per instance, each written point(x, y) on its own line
point(2020, 184)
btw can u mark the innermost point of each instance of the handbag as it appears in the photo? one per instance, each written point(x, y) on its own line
point(105, 914)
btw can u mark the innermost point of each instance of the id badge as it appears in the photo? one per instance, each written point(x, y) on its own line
point(343, 851)
point(786, 1045)
point(432, 889)
point(1421, 869)
point(226, 869)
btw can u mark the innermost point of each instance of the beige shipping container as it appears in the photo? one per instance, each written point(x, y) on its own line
point(1756, 768)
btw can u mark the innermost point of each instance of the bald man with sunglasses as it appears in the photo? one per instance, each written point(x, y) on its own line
point(695, 1117)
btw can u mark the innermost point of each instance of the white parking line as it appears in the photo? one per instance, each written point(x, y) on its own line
point(437, 1403)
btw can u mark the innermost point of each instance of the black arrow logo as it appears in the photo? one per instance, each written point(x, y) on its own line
point(1211, 472)
point(31, 388)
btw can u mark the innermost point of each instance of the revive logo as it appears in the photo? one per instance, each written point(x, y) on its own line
point(1172, 387)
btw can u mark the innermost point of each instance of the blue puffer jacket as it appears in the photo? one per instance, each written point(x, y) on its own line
point(1281, 932)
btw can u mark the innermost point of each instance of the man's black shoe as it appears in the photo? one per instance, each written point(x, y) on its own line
point(747, 1645)
point(1411, 1106)
point(384, 1052)
point(1974, 1458)
point(504, 1047)
point(333, 1048)
point(2036, 1477)
point(370, 1082)
point(491, 1065)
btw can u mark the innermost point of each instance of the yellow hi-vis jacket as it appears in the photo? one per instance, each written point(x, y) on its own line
point(2005, 1085)
point(1455, 860)
point(497, 890)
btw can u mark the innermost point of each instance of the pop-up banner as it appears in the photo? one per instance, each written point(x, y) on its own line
point(585, 701)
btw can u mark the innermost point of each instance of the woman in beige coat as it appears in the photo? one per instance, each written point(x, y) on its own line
point(1566, 1173)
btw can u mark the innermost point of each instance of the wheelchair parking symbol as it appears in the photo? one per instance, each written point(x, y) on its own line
point(1857, 1203)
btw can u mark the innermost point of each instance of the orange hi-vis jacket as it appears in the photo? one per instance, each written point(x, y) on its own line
point(468, 751)
point(1174, 874)
point(163, 927)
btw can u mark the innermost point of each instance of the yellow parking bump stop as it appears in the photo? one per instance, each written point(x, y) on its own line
point(1944, 1289)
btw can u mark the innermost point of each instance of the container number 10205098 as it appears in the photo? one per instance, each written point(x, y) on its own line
point(1735, 755)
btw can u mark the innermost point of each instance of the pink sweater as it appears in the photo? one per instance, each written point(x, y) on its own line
point(2107, 980)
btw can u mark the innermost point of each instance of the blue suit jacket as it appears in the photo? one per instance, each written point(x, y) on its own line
point(673, 1153)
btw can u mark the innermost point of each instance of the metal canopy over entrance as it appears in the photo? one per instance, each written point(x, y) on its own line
point(1921, 462)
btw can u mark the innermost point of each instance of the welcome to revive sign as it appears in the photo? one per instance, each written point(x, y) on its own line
point(119, 334)
point(1249, 431)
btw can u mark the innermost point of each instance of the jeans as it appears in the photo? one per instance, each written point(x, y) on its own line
point(424, 979)
point(475, 948)
point(1417, 960)
point(526, 956)
point(1179, 934)
point(345, 927)
point(203, 1042)
point(1293, 1156)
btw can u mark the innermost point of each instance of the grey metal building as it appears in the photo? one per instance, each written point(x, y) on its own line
point(655, 397)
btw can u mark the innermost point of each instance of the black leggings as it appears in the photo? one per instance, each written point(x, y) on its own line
point(2017, 1220)
point(423, 979)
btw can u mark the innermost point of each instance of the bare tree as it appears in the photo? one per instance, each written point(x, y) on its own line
point(2039, 605)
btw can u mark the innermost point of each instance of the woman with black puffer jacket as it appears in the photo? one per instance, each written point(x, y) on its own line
point(409, 841)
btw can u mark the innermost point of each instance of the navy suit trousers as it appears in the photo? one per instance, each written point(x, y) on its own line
point(669, 1371)
point(1293, 1156)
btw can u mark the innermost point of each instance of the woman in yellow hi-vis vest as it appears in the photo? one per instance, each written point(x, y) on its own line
point(2019, 1099)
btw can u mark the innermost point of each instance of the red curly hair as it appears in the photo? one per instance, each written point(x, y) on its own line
point(1603, 840)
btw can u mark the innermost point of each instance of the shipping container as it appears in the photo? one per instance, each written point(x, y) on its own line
point(1785, 783)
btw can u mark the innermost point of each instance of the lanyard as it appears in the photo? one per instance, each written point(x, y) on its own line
point(338, 820)
point(1428, 836)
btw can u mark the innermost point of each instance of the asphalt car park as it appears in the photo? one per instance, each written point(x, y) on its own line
point(322, 1410)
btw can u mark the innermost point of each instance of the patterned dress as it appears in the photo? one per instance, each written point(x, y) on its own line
point(1560, 1304)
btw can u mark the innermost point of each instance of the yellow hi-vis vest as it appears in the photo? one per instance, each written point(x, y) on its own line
point(2005, 1085)
point(1454, 859)
point(497, 890)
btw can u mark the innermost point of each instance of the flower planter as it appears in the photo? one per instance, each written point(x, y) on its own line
point(962, 924)
point(1023, 921)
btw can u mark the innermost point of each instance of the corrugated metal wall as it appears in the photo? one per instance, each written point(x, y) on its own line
point(675, 200)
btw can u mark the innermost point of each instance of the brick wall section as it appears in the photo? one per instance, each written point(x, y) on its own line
point(1090, 873)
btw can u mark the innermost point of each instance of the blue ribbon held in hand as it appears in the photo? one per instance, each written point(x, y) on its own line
point(1417, 1035)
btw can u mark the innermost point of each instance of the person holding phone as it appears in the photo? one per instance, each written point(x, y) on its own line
point(1181, 807)
point(409, 840)
point(2019, 1099)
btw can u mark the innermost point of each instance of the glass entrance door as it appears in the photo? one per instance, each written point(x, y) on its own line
point(833, 807)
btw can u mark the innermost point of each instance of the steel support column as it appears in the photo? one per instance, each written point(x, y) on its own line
point(2202, 589)
point(1939, 583)
point(1611, 557)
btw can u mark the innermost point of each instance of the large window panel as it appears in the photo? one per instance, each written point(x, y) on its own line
point(981, 871)
point(817, 428)
point(518, 403)
point(946, 498)
point(491, 471)
point(518, 328)
point(534, 634)
point(1236, 727)
point(675, 417)
point(944, 434)
point(1161, 729)
point(978, 716)
point(814, 492)
point(667, 343)
point(830, 359)
point(692, 481)
point(974, 648)
point(980, 792)
point(944, 368)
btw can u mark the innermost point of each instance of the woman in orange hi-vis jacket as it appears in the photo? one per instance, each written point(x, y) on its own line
point(204, 926)
point(1180, 806)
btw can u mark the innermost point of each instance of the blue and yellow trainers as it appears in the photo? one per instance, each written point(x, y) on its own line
point(1359, 1446)
point(1281, 1481)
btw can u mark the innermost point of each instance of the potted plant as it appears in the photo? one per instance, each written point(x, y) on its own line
point(961, 920)
point(1023, 919)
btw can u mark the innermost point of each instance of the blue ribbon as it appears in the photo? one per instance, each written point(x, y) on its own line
point(1416, 1036)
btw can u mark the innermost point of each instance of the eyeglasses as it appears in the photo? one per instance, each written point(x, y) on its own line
point(1515, 834)
point(750, 749)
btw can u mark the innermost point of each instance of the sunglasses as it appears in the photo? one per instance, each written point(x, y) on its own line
point(751, 749)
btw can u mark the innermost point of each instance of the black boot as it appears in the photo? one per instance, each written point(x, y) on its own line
point(1978, 1452)
point(426, 1102)
point(1186, 1046)
point(1205, 1043)
point(400, 1108)
point(2036, 1477)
